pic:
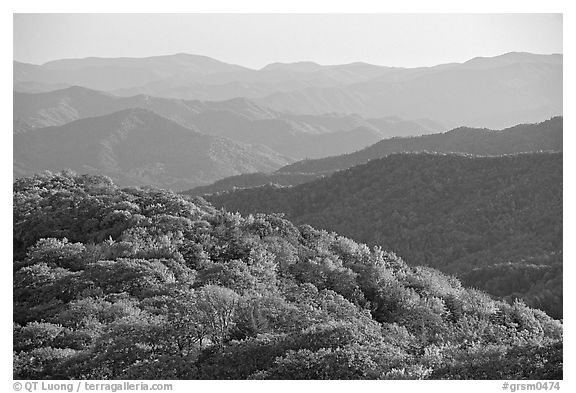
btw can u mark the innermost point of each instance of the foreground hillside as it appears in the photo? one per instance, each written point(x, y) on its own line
point(452, 212)
point(138, 147)
point(135, 284)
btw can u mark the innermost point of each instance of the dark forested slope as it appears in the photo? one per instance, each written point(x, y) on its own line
point(545, 136)
point(453, 212)
point(144, 284)
point(251, 180)
point(522, 138)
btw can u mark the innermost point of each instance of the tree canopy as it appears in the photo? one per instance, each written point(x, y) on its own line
point(495, 222)
point(134, 283)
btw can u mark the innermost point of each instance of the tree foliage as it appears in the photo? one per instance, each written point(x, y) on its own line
point(134, 283)
point(495, 222)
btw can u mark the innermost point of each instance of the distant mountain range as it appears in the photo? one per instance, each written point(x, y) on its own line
point(59, 107)
point(297, 136)
point(137, 147)
point(117, 73)
point(545, 136)
point(491, 92)
point(453, 212)
point(227, 120)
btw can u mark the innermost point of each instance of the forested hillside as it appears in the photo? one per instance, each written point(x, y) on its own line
point(128, 283)
point(522, 138)
point(464, 215)
point(251, 180)
point(545, 136)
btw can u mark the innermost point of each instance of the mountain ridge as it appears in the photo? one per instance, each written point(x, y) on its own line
point(547, 136)
point(137, 147)
point(493, 92)
point(522, 138)
point(238, 119)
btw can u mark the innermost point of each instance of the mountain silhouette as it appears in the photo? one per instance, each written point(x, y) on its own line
point(138, 147)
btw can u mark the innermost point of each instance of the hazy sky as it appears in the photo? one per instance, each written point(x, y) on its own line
point(254, 40)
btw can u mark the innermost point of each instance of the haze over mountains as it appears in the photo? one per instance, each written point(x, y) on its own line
point(481, 93)
point(298, 111)
point(492, 92)
point(545, 136)
point(138, 147)
point(118, 73)
point(297, 136)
